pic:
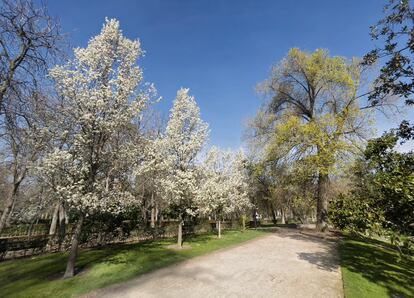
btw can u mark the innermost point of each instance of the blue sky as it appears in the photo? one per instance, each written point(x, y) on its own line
point(222, 49)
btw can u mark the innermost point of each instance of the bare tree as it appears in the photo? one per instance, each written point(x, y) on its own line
point(29, 42)
point(29, 37)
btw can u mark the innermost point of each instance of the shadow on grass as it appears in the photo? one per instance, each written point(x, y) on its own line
point(16, 276)
point(41, 276)
point(290, 226)
point(378, 263)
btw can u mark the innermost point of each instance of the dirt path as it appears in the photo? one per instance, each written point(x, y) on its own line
point(283, 264)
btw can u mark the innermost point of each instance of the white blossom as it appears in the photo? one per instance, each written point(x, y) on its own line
point(185, 136)
point(224, 185)
point(101, 95)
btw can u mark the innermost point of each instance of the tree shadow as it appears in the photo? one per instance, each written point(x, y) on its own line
point(326, 255)
point(195, 273)
point(379, 263)
point(32, 271)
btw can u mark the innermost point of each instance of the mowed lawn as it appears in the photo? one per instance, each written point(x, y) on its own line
point(41, 276)
point(374, 269)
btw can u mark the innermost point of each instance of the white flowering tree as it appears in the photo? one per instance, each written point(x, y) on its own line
point(150, 174)
point(184, 138)
point(224, 188)
point(101, 95)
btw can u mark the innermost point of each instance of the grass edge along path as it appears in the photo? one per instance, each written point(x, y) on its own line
point(41, 276)
point(373, 269)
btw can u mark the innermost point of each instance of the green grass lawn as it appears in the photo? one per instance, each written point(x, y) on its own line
point(41, 276)
point(372, 268)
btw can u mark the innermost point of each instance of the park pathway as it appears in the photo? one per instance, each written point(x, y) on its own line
point(283, 264)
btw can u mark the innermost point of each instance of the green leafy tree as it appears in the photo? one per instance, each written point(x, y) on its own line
point(396, 75)
point(313, 115)
point(382, 199)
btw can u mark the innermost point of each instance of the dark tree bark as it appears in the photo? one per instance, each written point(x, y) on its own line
point(274, 217)
point(73, 254)
point(63, 221)
point(153, 211)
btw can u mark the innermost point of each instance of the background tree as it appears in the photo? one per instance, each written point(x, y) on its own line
point(395, 30)
point(381, 199)
point(24, 140)
point(28, 39)
point(396, 75)
point(224, 185)
point(29, 43)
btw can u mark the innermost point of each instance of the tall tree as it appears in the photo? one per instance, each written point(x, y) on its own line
point(313, 114)
point(29, 42)
point(185, 136)
point(101, 96)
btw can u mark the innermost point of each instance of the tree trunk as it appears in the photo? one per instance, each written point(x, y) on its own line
point(70, 266)
point(274, 218)
point(7, 208)
point(243, 222)
point(180, 233)
point(52, 229)
point(152, 211)
point(322, 202)
point(63, 221)
point(218, 224)
point(282, 216)
point(9, 217)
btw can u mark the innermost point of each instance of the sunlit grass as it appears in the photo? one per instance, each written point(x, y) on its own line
point(371, 268)
point(41, 276)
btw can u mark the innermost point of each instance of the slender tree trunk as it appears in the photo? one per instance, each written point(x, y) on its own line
point(159, 217)
point(180, 233)
point(282, 216)
point(63, 221)
point(243, 222)
point(322, 202)
point(152, 211)
point(70, 266)
point(274, 218)
point(218, 224)
point(7, 208)
point(9, 217)
point(52, 229)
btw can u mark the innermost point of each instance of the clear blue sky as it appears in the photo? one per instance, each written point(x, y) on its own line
point(222, 49)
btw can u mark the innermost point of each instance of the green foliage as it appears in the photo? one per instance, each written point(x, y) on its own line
point(348, 212)
point(106, 227)
point(382, 201)
point(395, 29)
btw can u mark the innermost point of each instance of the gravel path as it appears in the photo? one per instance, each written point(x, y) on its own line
point(282, 264)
